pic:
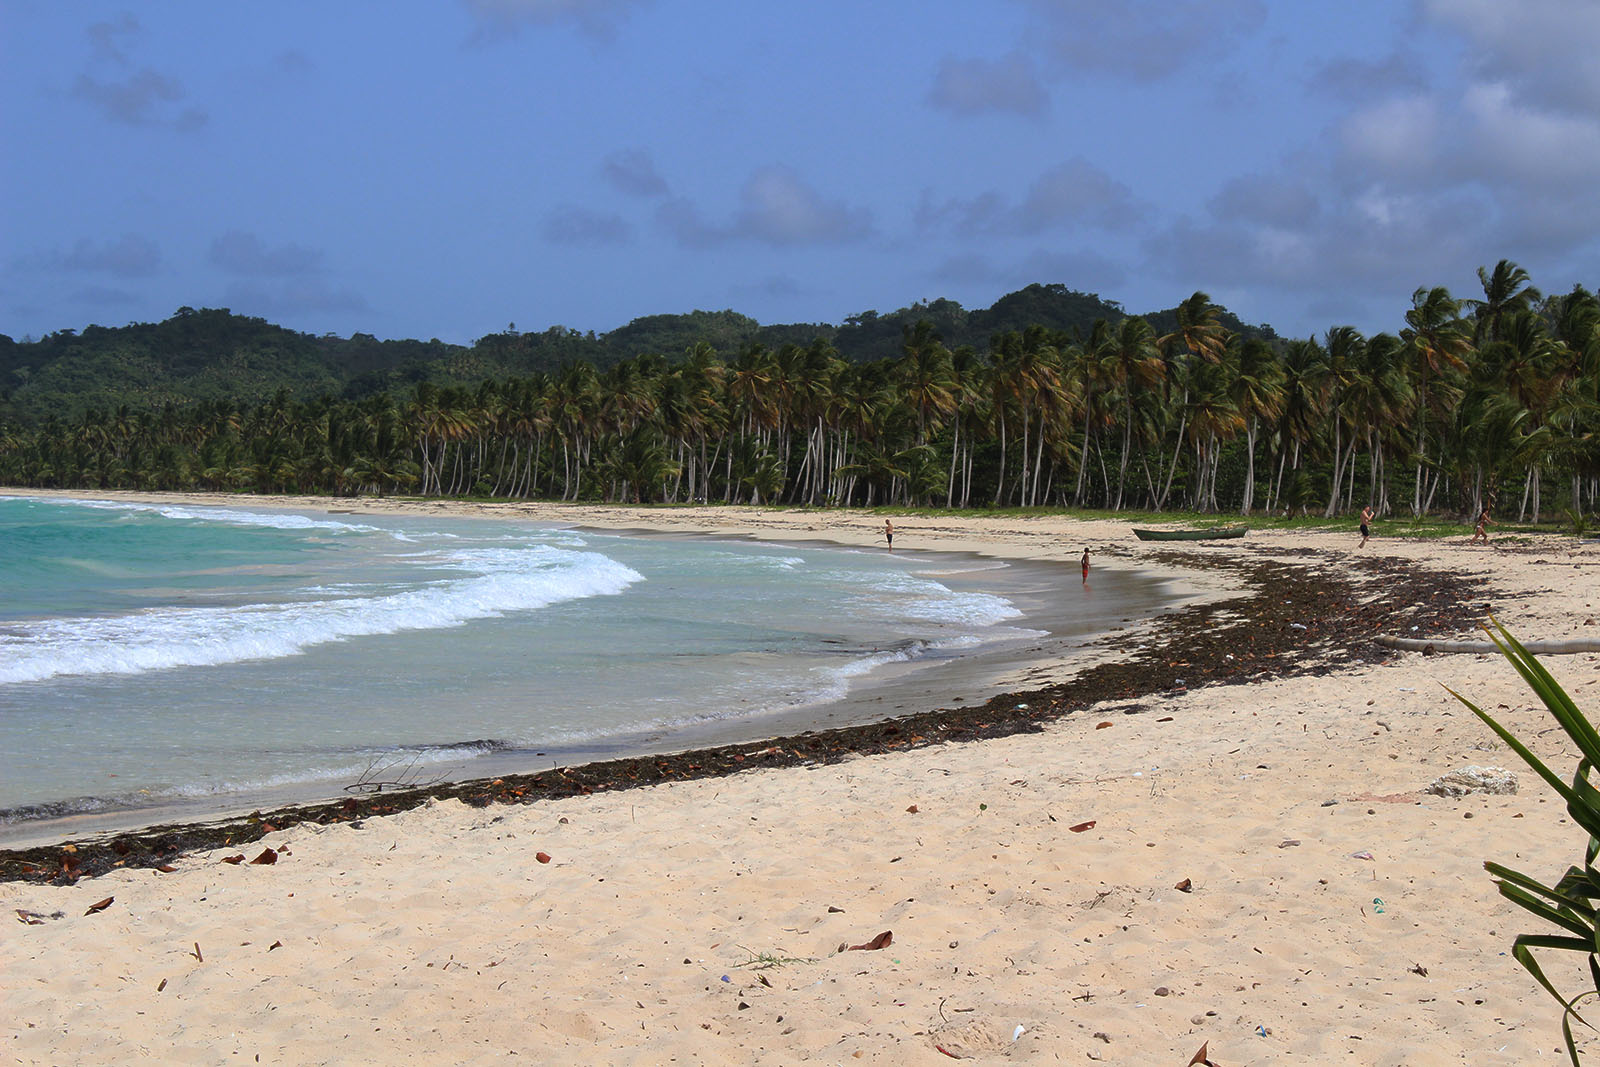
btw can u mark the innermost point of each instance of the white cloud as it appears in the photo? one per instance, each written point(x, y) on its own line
point(1541, 148)
point(1543, 49)
point(1398, 136)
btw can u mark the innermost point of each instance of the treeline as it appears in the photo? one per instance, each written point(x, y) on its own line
point(213, 354)
point(1498, 394)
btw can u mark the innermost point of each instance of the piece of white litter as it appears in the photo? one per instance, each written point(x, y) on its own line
point(1018, 1032)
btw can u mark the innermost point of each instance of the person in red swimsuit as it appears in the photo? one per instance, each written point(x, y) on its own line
point(1086, 566)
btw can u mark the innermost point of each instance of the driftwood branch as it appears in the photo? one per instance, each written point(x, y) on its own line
point(392, 773)
point(1538, 648)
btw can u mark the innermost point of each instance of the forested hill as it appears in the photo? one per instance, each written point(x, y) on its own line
point(213, 354)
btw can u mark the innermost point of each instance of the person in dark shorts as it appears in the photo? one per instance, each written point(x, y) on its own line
point(888, 533)
point(1366, 518)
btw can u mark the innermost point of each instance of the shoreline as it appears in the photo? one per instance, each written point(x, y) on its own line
point(1246, 863)
point(1021, 691)
point(1008, 665)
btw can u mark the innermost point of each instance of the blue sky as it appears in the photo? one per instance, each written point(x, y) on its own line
point(444, 169)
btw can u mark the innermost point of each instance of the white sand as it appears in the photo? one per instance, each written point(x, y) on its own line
point(699, 922)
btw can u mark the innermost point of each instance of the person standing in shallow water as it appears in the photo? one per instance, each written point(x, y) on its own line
point(1366, 519)
point(888, 533)
point(1086, 566)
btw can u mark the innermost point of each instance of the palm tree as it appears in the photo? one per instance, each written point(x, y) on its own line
point(1304, 397)
point(1438, 344)
point(1200, 331)
point(1257, 391)
point(1138, 369)
point(1506, 290)
point(1346, 352)
point(926, 376)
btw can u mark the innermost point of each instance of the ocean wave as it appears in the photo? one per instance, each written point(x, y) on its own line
point(908, 596)
point(497, 581)
point(276, 520)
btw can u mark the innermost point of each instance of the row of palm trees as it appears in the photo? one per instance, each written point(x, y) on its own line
point(1469, 398)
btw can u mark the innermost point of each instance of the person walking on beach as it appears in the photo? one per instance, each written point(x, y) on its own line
point(1481, 534)
point(1086, 566)
point(1366, 518)
point(888, 533)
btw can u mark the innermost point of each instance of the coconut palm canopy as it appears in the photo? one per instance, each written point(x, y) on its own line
point(1469, 401)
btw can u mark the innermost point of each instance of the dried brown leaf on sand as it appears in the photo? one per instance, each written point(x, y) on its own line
point(883, 940)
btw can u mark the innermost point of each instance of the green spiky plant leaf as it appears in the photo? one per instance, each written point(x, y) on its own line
point(1570, 904)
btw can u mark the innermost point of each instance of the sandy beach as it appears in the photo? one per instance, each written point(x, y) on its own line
point(1251, 868)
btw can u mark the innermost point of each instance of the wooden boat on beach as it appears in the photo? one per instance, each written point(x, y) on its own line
point(1190, 535)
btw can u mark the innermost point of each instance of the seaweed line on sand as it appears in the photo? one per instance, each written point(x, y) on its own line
point(1293, 619)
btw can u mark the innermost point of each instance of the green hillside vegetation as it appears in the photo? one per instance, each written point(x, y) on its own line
point(212, 354)
point(1051, 398)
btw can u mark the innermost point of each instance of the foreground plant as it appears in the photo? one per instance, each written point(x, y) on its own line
point(1570, 904)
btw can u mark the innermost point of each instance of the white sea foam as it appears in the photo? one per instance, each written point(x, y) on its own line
point(930, 601)
point(277, 520)
point(497, 581)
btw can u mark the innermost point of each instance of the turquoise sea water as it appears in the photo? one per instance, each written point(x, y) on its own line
point(154, 653)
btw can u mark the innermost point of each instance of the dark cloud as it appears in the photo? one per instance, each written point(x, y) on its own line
point(245, 254)
point(99, 296)
point(775, 207)
point(1077, 191)
point(1084, 269)
point(1377, 245)
point(293, 61)
point(1074, 193)
point(106, 38)
point(1357, 80)
point(581, 227)
point(289, 299)
point(1279, 201)
point(633, 172)
point(1141, 40)
point(129, 256)
point(982, 86)
point(144, 98)
point(599, 18)
point(774, 287)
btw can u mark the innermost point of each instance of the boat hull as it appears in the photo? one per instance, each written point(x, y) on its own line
point(1190, 535)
